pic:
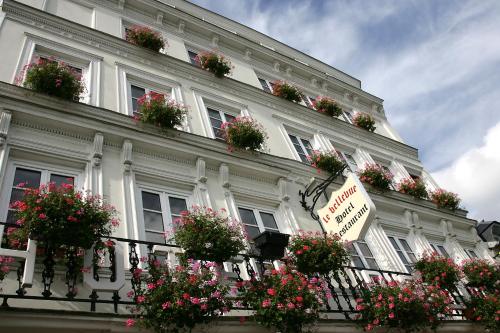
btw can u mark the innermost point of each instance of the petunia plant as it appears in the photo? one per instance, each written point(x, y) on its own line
point(326, 161)
point(327, 106)
point(445, 199)
point(413, 187)
point(244, 133)
point(145, 37)
point(156, 109)
point(214, 62)
point(287, 91)
point(438, 270)
point(364, 121)
point(376, 176)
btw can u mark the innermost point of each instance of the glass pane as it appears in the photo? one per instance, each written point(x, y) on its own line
point(394, 244)
point(154, 237)
point(192, 57)
point(177, 205)
point(306, 100)
point(247, 216)
point(216, 123)
point(294, 139)
point(303, 157)
point(60, 179)
point(11, 217)
point(214, 114)
point(264, 85)
point(412, 257)
point(252, 231)
point(135, 105)
point(229, 117)
point(403, 258)
point(357, 262)
point(31, 178)
point(443, 251)
point(16, 195)
point(153, 221)
point(137, 91)
point(365, 249)
point(268, 221)
point(348, 117)
point(307, 145)
point(151, 201)
point(472, 254)
point(434, 248)
point(406, 247)
point(371, 263)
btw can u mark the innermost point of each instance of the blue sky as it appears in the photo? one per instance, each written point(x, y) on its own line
point(435, 63)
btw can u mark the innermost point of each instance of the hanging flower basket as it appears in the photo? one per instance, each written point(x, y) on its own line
point(214, 62)
point(376, 176)
point(155, 109)
point(285, 299)
point(437, 270)
point(53, 78)
point(205, 234)
point(178, 299)
point(409, 306)
point(51, 214)
point(364, 121)
point(287, 91)
point(445, 199)
point(271, 245)
point(145, 37)
point(244, 133)
point(327, 106)
point(415, 188)
point(329, 161)
point(482, 274)
point(318, 253)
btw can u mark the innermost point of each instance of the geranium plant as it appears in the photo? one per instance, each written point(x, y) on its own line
point(5, 262)
point(59, 216)
point(287, 91)
point(410, 305)
point(145, 37)
point(482, 274)
point(317, 252)
point(445, 199)
point(53, 78)
point(155, 109)
point(174, 300)
point(327, 106)
point(485, 309)
point(244, 133)
point(438, 270)
point(326, 161)
point(365, 121)
point(285, 299)
point(376, 176)
point(413, 187)
point(214, 62)
point(206, 234)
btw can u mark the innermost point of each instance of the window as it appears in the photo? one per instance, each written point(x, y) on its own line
point(471, 254)
point(256, 221)
point(362, 256)
point(386, 169)
point(307, 100)
point(192, 57)
point(302, 147)
point(266, 85)
point(160, 210)
point(349, 160)
point(137, 90)
point(32, 178)
point(348, 117)
point(404, 252)
point(216, 119)
point(439, 249)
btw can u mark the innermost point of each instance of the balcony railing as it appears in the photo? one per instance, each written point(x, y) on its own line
point(104, 288)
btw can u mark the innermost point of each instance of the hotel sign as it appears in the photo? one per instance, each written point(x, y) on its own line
point(349, 212)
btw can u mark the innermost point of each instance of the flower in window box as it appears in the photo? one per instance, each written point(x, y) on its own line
point(482, 274)
point(329, 161)
point(409, 306)
point(205, 234)
point(287, 91)
point(50, 213)
point(157, 110)
point(438, 270)
point(285, 299)
point(415, 188)
point(317, 252)
point(174, 300)
point(145, 37)
point(53, 78)
point(365, 121)
point(244, 133)
point(484, 308)
point(376, 176)
point(327, 106)
point(445, 199)
point(214, 62)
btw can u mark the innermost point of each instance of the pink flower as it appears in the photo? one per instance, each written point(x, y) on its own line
point(151, 286)
point(130, 322)
point(266, 303)
point(140, 299)
point(166, 305)
point(391, 315)
point(271, 291)
point(290, 306)
point(42, 216)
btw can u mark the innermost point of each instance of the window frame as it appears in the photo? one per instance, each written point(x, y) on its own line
point(148, 88)
point(440, 250)
point(474, 254)
point(222, 114)
point(362, 257)
point(300, 139)
point(402, 249)
point(256, 212)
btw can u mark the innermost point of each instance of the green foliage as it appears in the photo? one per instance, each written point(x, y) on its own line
point(438, 270)
point(244, 133)
point(328, 106)
point(329, 161)
point(485, 309)
point(145, 37)
point(445, 199)
point(155, 110)
point(482, 274)
point(205, 234)
point(365, 121)
point(284, 299)
point(415, 188)
point(287, 91)
point(317, 253)
point(376, 176)
point(54, 79)
point(216, 63)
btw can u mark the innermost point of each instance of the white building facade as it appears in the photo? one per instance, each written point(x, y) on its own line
point(151, 175)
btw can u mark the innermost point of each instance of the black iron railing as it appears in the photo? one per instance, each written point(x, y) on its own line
point(345, 285)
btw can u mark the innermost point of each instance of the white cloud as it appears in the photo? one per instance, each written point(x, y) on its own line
point(475, 176)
